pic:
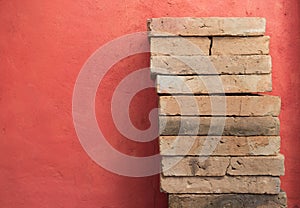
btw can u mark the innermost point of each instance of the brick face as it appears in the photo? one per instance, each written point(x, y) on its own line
point(180, 46)
point(234, 126)
point(224, 146)
point(213, 84)
point(221, 166)
point(228, 200)
point(240, 46)
point(234, 105)
point(226, 184)
point(166, 26)
point(272, 165)
point(217, 64)
point(195, 166)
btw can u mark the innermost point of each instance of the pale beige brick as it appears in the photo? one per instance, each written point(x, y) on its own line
point(231, 105)
point(195, 166)
point(188, 26)
point(220, 166)
point(271, 165)
point(190, 65)
point(224, 146)
point(240, 46)
point(213, 84)
point(228, 200)
point(237, 126)
point(225, 184)
point(180, 46)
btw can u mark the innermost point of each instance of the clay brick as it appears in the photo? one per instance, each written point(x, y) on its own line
point(225, 184)
point(194, 166)
point(220, 166)
point(234, 126)
point(228, 201)
point(180, 46)
point(233, 105)
point(203, 65)
point(187, 26)
point(224, 146)
point(213, 84)
point(240, 46)
point(271, 165)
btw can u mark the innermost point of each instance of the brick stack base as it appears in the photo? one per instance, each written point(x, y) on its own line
point(243, 164)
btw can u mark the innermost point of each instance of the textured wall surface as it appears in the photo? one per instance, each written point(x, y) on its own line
point(43, 45)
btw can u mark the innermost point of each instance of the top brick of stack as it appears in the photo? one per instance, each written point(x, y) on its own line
point(212, 26)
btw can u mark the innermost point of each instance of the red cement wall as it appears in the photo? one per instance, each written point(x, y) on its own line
point(43, 45)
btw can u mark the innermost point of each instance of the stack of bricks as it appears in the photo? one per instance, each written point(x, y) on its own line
point(219, 145)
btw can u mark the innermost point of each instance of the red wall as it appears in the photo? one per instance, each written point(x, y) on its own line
point(43, 45)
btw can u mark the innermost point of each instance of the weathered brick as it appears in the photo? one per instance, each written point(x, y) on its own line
point(271, 165)
point(213, 84)
point(220, 166)
point(236, 126)
point(224, 184)
point(235, 105)
point(187, 26)
point(180, 46)
point(195, 166)
point(228, 200)
point(240, 46)
point(191, 65)
point(224, 146)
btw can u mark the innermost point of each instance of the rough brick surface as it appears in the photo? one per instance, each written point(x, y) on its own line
point(233, 105)
point(224, 146)
point(170, 26)
point(214, 84)
point(221, 166)
point(228, 201)
point(189, 65)
point(272, 165)
point(195, 166)
point(236, 126)
point(180, 46)
point(225, 184)
point(240, 46)
point(238, 164)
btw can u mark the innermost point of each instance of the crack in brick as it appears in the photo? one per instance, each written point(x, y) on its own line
point(210, 46)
